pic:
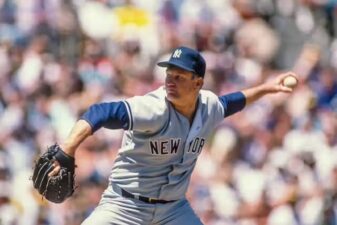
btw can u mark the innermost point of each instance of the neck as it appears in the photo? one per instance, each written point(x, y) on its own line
point(187, 109)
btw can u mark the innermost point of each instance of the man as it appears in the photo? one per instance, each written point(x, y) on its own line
point(165, 132)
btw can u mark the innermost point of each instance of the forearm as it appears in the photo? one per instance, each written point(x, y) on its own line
point(255, 93)
point(78, 134)
point(110, 115)
point(277, 86)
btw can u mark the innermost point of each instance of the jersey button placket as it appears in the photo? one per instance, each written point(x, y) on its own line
point(184, 128)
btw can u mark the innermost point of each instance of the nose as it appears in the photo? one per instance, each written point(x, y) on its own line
point(169, 79)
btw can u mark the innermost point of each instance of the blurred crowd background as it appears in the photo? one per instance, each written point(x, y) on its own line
point(275, 163)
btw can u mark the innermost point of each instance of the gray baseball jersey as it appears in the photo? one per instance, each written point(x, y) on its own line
point(161, 147)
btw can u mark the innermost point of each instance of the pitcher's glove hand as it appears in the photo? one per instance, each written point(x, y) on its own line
point(61, 186)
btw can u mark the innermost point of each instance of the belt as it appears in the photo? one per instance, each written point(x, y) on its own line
point(127, 194)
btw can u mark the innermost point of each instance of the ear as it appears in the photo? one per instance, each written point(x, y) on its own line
point(199, 82)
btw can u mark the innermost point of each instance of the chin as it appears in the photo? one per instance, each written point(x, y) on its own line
point(172, 97)
point(171, 93)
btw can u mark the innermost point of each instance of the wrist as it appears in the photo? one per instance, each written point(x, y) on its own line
point(68, 149)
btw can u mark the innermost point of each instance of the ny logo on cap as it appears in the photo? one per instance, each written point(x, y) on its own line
point(177, 53)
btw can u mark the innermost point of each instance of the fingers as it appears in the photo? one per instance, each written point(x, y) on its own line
point(285, 89)
point(291, 74)
point(56, 169)
point(284, 75)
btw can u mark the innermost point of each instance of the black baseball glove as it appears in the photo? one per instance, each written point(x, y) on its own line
point(61, 186)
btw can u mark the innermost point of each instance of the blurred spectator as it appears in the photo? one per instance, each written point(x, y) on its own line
point(273, 164)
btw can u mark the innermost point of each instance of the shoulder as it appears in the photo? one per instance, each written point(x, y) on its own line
point(211, 104)
point(154, 100)
point(208, 97)
point(148, 112)
point(156, 95)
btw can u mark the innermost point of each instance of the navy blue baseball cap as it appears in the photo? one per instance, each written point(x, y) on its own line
point(187, 59)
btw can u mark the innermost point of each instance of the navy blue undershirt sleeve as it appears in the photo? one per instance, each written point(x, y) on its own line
point(233, 102)
point(111, 115)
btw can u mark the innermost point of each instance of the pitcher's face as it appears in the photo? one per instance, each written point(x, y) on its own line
point(181, 85)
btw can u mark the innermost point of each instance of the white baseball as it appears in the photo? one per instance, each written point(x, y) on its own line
point(290, 82)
